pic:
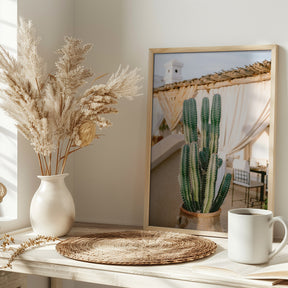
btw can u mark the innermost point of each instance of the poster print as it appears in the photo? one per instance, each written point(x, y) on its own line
point(211, 131)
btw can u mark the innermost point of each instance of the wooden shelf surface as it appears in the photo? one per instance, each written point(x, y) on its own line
point(208, 272)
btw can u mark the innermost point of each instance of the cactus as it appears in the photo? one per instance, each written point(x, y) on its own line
point(185, 179)
point(194, 173)
point(199, 165)
point(215, 122)
point(205, 123)
point(211, 178)
point(190, 121)
point(223, 190)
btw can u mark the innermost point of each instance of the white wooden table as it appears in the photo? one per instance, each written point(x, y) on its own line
point(208, 272)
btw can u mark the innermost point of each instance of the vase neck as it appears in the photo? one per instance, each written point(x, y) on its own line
point(53, 178)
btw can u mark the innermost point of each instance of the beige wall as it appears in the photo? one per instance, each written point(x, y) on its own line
point(109, 176)
point(53, 19)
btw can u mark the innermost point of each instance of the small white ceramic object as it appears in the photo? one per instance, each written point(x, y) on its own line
point(52, 210)
point(250, 235)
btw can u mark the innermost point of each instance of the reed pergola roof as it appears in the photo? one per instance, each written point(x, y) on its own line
point(171, 96)
point(248, 71)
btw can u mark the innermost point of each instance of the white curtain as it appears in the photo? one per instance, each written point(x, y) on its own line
point(171, 105)
point(157, 117)
point(245, 113)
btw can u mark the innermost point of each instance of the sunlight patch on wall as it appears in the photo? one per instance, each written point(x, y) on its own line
point(8, 132)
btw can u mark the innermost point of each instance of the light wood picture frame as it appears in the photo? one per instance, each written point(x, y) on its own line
point(179, 161)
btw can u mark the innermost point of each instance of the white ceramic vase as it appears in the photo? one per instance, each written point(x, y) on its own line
point(52, 210)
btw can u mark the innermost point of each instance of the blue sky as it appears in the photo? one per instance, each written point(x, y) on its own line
point(197, 64)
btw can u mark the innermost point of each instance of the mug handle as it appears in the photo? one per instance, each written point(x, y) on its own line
point(285, 238)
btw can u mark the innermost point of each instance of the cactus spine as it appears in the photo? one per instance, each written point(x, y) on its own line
point(199, 165)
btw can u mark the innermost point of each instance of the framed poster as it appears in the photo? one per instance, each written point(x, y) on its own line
point(210, 139)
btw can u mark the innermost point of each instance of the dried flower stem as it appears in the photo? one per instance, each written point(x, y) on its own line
point(38, 88)
point(46, 166)
point(24, 246)
point(70, 152)
point(50, 163)
point(57, 157)
point(99, 77)
point(66, 155)
point(6, 241)
point(40, 164)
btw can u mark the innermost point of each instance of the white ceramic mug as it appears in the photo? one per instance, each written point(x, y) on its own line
point(250, 235)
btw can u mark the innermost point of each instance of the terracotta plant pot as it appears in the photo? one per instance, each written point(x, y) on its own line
point(200, 221)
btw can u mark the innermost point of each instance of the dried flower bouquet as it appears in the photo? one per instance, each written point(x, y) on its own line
point(46, 107)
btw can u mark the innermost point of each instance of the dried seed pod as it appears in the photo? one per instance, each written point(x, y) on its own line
point(87, 132)
point(3, 191)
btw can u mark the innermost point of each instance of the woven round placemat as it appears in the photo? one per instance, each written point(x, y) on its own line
point(136, 247)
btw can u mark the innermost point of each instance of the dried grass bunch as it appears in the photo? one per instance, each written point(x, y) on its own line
point(46, 107)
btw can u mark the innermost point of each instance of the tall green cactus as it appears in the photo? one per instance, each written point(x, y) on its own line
point(215, 122)
point(199, 166)
point(190, 121)
point(204, 123)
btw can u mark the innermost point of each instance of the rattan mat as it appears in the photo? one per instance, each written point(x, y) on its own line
point(136, 247)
